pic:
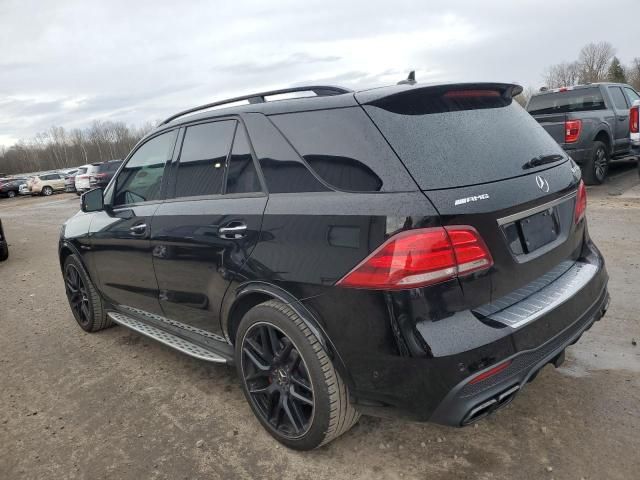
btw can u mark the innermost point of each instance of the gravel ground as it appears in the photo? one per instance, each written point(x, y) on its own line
point(117, 405)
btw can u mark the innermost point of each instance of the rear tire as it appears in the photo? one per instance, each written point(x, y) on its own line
point(11, 194)
point(595, 169)
point(47, 191)
point(84, 300)
point(288, 379)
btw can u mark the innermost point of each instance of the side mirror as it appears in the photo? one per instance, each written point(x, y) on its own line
point(92, 201)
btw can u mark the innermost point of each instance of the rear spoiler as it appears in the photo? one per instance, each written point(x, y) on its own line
point(373, 96)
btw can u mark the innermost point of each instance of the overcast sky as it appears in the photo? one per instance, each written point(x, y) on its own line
point(68, 62)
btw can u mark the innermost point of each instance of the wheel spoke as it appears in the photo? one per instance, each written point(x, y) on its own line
point(257, 350)
point(257, 363)
point(284, 352)
point(300, 398)
point(273, 341)
point(275, 412)
point(295, 421)
point(70, 287)
point(261, 390)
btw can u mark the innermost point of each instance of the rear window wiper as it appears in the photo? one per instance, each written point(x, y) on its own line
point(543, 159)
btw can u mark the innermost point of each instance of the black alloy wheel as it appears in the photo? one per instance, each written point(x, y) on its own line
point(601, 164)
point(77, 295)
point(277, 380)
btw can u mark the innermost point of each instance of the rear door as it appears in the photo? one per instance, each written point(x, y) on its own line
point(621, 124)
point(57, 181)
point(204, 235)
point(483, 161)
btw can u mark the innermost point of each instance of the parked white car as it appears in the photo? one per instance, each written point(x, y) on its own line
point(82, 179)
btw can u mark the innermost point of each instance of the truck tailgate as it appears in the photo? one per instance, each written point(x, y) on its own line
point(553, 123)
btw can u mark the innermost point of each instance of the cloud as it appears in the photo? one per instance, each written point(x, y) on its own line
point(70, 62)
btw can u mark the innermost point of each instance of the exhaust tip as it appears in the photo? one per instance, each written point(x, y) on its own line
point(490, 406)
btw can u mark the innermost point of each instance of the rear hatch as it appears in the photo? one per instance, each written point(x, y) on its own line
point(551, 109)
point(483, 161)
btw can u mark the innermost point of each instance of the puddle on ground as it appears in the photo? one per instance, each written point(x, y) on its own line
point(582, 359)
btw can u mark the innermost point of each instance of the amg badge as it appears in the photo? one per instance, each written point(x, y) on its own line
point(475, 198)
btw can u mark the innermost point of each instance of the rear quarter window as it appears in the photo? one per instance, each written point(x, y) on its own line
point(344, 148)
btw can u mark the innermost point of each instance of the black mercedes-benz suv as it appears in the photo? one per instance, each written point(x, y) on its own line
point(419, 251)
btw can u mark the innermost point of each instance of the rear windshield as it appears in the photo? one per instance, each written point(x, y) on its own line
point(461, 147)
point(580, 100)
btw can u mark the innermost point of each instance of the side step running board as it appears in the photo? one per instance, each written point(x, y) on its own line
point(166, 338)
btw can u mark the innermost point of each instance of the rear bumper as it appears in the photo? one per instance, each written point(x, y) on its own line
point(579, 155)
point(467, 403)
point(438, 389)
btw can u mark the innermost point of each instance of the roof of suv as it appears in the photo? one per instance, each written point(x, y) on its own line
point(326, 97)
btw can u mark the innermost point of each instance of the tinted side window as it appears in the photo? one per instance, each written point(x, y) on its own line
point(241, 174)
point(281, 166)
point(141, 178)
point(203, 158)
point(631, 95)
point(618, 98)
point(345, 149)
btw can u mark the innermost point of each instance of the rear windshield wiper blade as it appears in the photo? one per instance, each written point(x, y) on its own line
point(543, 159)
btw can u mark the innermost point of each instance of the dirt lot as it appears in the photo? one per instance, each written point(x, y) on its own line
point(116, 405)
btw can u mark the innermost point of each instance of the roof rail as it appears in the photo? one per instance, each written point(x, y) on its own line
point(319, 90)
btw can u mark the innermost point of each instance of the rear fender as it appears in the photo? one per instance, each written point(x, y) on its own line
point(234, 298)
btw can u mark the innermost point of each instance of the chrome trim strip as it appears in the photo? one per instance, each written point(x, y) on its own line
point(547, 298)
point(534, 210)
point(166, 338)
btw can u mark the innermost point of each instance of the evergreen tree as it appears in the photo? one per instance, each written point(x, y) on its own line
point(616, 72)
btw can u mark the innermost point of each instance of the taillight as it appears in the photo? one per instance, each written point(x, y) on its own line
point(471, 93)
point(572, 130)
point(420, 257)
point(634, 119)
point(581, 202)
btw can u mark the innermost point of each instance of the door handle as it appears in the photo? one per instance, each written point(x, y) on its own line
point(233, 232)
point(139, 229)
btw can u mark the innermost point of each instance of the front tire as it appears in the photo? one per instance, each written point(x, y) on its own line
point(11, 194)
point(84, 300)
point(597, 167)
point(47, 191)
point(289, 381)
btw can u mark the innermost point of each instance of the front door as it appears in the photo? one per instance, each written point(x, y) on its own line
point(202, 236)
point(119, 235)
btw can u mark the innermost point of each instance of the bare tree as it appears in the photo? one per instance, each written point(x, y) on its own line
point(562, 74)
point(633, 73)
point(58, 148)
point(594, 61)
point(524, 97)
